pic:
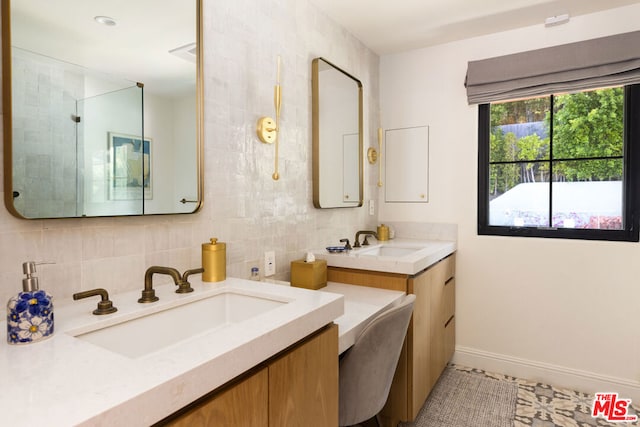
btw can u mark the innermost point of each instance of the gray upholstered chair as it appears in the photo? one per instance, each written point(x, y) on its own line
point(367, 368)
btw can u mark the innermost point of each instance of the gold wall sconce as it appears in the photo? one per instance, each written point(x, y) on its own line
point(374, 156)
point(268, 128)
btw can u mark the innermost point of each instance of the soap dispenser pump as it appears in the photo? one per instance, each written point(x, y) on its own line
point(30, 313)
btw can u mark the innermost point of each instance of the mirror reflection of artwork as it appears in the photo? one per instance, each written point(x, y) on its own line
point(131, 167)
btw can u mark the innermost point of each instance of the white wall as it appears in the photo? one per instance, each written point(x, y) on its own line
point(562, 311)
point(243, 206)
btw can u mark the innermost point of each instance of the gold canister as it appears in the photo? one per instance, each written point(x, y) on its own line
point(383, 232)
point(214, 261)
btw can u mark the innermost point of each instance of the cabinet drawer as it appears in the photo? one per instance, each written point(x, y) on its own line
point(449, 344)
point(449, 267)
point(448, 300)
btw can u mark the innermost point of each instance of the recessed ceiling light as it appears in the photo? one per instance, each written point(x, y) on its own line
point(105, 20)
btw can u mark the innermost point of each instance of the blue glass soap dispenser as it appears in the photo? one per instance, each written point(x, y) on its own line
point(30, 313)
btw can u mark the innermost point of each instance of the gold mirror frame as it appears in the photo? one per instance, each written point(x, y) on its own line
point(5, 9)
point(321, 183)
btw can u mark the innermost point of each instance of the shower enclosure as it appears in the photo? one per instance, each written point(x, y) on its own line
point(79, 147)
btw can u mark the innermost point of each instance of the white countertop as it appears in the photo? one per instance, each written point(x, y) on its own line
point(428, 252)
point(361, 305)
point(66, 381)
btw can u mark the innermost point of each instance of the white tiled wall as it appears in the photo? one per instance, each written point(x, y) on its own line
point(243, 206)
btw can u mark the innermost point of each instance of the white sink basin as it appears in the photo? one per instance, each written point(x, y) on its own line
point(152, 332)
point(392, 251)
point(402, 256)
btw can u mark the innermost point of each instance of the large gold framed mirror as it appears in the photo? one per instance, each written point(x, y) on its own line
point(337, 137)
point(102, 107)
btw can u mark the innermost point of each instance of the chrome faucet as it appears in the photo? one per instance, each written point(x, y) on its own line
point(149, 294)
point(366, 234)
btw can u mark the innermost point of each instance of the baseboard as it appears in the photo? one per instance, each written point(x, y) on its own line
point(559, 376)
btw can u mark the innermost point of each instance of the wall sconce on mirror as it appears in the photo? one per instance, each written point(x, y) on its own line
point(376, 156)
point(268, 128)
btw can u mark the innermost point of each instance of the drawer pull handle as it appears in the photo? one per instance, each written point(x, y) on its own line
point(449, 321)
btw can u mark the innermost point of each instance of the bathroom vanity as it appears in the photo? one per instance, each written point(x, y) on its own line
point(232, 342)
point(423, 268)
point(235, 352)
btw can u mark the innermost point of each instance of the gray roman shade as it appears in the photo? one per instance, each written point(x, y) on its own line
point(606, 61)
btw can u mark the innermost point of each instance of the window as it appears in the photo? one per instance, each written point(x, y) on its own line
point(563, 165)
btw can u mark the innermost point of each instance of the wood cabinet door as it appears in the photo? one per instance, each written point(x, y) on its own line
point(243, 404)
point(450, 338)
point(419, 344)
point(396, 408)
point(442, 311)
point(438, 361)
point(303, 383)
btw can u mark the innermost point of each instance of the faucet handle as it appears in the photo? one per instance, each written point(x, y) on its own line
point(105, 306)
point(347, 245)
point(184, 286)
point(366, 242)
point(188, 273)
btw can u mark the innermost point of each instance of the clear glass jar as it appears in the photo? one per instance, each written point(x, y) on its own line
point(255, 274)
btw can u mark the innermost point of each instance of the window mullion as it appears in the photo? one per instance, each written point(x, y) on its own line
point(551, 111)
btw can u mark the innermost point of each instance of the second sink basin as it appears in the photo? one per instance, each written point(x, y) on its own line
point(402, 256)
point(384, 250)
point(152, 332)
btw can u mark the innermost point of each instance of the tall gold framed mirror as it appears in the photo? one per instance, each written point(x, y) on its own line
point(102, 107)
point(337, 137)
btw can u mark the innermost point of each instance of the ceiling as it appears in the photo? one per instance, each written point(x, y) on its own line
point(400, 25)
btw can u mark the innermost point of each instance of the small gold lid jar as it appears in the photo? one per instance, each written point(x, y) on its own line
point(383, 232)
point(214, 261)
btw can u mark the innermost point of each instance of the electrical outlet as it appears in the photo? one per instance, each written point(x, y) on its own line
point(269, 263)
point(372, 207)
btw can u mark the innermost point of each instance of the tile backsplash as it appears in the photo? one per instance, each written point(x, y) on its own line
point(243, 206)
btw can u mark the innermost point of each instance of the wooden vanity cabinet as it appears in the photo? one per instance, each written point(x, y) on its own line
point(241, 403)
point(430, 340)
point(303, 383)
point(296, 387)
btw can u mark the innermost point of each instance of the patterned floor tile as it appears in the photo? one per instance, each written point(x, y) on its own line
point(543, 405)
